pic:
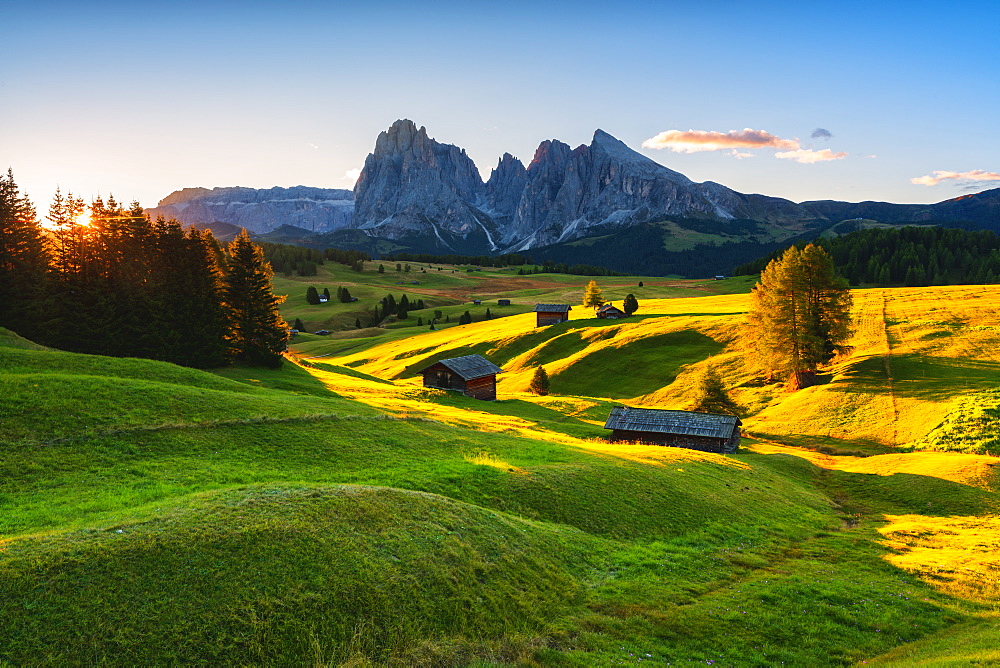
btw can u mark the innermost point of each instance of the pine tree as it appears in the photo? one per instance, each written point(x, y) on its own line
point(381, 269)
point(799, 316)
point(399, 267)
point(345, 295)
point(340, 293)
point(465, 318)
point(630, 305)
point(23, 260)
point(420, 322)
point(540, 381)
point(712, 396)
point(640, 284)
point(357, 323)
point(312, 296)
point(299, 326)
point(259, 333)
point(326, 293)
point(489, 316)
point(592, 296)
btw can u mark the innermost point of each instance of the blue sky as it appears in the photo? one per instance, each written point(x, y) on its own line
point(140, 99)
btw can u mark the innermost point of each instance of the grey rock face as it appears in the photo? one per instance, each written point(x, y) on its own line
point(504, 189)
point(413, 185)
point(260, 211)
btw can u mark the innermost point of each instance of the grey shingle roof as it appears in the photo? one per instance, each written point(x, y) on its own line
point(469, 367)
point(553, 308)
point(684, 423)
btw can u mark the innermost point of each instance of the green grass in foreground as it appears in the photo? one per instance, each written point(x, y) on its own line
point(251, 517)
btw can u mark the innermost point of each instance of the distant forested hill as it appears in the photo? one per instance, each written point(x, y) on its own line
point(909, 256)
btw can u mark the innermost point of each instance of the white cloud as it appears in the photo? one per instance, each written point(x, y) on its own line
point(939, 176)
point(808, 156)
point(352, 175)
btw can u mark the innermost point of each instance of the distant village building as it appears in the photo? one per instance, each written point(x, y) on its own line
point(551, 314)
point(720, 277)
point(503, 302)
point(681, 429)
point(472, 375)
point(610, 312)
point(323, 299)
point(477, 302)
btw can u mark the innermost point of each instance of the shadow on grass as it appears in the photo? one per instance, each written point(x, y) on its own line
point(641, 367)
point(288, 377)
point(921, 377)
point(548, 418)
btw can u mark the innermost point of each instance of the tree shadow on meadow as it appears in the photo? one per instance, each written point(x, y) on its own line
point(920, 376)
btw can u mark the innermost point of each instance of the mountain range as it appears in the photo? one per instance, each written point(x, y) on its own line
point(416, 193)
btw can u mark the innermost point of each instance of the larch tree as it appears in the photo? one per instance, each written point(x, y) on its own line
point(592, 295)
point(259, 332)
point(799, 316)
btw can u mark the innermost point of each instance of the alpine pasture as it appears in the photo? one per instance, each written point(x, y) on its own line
point(334, 511)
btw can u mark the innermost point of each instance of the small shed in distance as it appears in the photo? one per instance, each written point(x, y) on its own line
point(472, 375)
point(610, 312)
point(550, 314)
point(707, 432)
point(503, 302)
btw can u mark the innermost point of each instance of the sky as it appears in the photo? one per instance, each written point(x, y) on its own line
point(890, 101)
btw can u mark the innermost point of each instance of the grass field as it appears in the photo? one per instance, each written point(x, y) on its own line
point(335, 512)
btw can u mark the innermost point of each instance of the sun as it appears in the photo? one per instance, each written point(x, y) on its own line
point(83, 218)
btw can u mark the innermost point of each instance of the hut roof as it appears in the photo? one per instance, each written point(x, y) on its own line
point(685, 423)
point(610, 308)
point(552, 308)
point(469, 367)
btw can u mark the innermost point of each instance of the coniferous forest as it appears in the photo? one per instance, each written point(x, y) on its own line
point(126, 286)
point(908, 256)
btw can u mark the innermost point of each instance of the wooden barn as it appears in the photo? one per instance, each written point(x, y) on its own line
point(680, 429)
point(550, 314)
point(503, 302)
point(472, 375)
point(610, 312)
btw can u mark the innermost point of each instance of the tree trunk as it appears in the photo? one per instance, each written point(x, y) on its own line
point(800, 380)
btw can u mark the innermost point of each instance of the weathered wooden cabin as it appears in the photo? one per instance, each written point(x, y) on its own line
point(550, 314)
point(503, 302)
point(707, 432)
point(472, 375)
point(610, 312)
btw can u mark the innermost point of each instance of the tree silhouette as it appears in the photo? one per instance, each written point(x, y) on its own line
point(259, 333)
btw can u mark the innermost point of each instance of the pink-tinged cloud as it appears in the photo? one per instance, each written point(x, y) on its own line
point(807, 156)
point(939, 176)
point(351, 175)
point(694, 141)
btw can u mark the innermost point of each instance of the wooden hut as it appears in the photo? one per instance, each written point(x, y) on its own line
point(472, 375)
point(610, 312)
point(503, 302)
point(681, 429)
point(550, 314)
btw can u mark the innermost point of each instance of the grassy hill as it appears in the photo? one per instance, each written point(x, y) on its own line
point(334, 511)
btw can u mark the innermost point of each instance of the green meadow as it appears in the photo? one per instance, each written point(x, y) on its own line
point(333, 512)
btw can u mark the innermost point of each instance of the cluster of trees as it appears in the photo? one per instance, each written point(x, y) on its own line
point(124, 285)
point(799, 316)
point(552, 267)
point(389, 306)
point(288, 260)
point(909, 256)
point(313, 295)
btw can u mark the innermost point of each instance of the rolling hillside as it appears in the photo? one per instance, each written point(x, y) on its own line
point(333, 511)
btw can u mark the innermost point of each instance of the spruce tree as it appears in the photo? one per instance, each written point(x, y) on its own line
point(381, 269)
point(259, 333)
point(357, 323)
point(420, 322)
point(540, 381)
point(712, 396)
point(299, 326)
point(312, 295)
point(592, 296)
point(326, 293)
point(23, 260)
point(630, 305)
